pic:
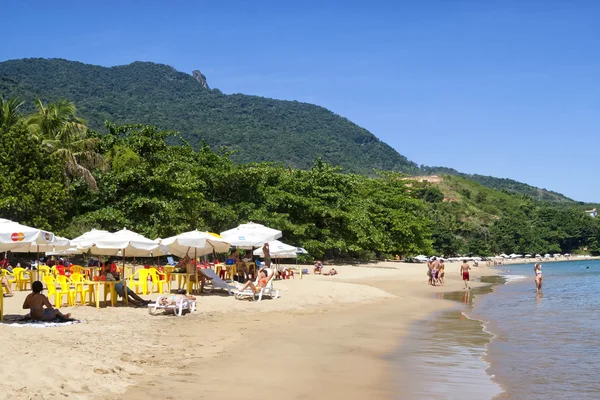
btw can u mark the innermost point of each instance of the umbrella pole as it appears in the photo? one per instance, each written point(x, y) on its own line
point(195, 264)
point(125, 295)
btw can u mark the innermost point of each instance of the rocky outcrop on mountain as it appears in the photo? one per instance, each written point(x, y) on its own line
point(200, 78)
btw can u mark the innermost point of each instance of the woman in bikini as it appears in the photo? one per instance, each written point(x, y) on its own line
point(262, 282)
point(36, 302)
point(537, 268)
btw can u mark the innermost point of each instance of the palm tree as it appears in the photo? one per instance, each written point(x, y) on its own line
point(9, 113)
point(65, 134)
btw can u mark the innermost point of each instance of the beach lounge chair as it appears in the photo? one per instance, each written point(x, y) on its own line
point(177, 308)
point(170, 261)
point(266, 291)
point(215, 281)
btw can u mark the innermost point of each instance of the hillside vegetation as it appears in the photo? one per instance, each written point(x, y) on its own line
point(74, 180)
point(257, 129)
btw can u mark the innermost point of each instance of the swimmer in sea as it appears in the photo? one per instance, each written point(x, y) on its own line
point(537, 268)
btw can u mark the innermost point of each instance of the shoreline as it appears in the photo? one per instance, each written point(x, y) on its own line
point(325, 335)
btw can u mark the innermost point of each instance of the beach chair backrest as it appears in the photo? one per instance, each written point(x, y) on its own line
point(171, 261)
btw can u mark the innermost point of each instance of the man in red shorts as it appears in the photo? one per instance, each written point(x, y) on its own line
point(464, 269)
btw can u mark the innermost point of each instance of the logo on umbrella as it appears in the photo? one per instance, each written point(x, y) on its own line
point(47, 236)
point(17, 237)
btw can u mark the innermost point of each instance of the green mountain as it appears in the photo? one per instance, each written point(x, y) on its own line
point(260, 129)
point(256, 128)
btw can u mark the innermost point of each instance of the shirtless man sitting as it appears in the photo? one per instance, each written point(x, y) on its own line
point(36, 302)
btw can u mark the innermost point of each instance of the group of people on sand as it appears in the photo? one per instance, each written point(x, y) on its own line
point(318, 269)
point(436, 271)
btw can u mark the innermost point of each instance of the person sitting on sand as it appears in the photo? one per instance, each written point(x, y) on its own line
point(36, 301)
point(262, 282)
point(331, 272)
point(318, 267)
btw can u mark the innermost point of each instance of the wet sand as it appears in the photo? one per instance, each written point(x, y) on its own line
point(325, 337)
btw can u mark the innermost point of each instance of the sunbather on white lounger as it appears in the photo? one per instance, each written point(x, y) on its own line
point(262, 282)
point(173, 299)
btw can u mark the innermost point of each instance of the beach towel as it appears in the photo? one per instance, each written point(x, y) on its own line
point(24, 321)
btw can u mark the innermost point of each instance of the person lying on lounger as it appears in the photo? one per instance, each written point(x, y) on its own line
point(36, 301)
point(173, 299)
point(262, 282)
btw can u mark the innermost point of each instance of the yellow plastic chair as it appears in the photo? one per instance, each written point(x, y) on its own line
point(81, 288)
point(142, 281)
point(22, 278)
point(10, 277)
point(43, 270)
point(76, 269)
point(159, 280)
point(168, 271)
point(62, 279)
point(58, 294)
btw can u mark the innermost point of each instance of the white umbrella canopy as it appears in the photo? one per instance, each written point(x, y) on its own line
point(124, 243)
point(59, 243)
point(195, 243)
point(87, 239)
point(250, 235)
point(278, 250)
point(14, 235)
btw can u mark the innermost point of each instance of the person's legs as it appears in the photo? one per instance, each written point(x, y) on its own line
point(136, 299)
point(6, 284)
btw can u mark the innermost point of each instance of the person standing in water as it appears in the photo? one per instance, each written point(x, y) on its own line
point(464, 269)
point(537, 268)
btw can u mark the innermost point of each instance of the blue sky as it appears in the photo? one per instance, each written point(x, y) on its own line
point(503, 88)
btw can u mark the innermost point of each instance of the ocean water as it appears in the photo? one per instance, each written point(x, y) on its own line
point(507, 341)
point(546, 345)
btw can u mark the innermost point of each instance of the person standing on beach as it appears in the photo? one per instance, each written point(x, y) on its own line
point(537, 268)
point(431, 267)
point(267, 254)
point(464, 269)
point(441, 273)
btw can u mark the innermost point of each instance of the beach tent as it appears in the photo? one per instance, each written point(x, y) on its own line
point(14, 236)
point(278, 250)
point(250, 235)
point(195, 243)
point(527, 255)
point(422, 258)
point(301, 250)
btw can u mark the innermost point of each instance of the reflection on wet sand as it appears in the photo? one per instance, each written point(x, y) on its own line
point(448, 349)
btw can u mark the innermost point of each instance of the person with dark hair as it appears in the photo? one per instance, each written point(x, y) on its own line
point(36, 301)
point(109, 272)
point(267, 254)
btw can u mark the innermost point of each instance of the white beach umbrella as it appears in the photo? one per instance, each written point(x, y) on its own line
point(537, 255)
point(14, 236)
point(59, 243)
point(527, 255)
point(86, 240)
point(195, 243)
point(65, 252)
point(301, 250)
point(124, 242)
point(278, 250)
point(250, 235)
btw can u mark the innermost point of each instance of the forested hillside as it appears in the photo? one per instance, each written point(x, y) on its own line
point(75, 179)
point(258, 128)
point(255, 128)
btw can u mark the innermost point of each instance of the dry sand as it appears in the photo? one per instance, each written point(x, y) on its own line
point(326, 337)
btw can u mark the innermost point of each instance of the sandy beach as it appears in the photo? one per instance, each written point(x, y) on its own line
point(325, 336)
